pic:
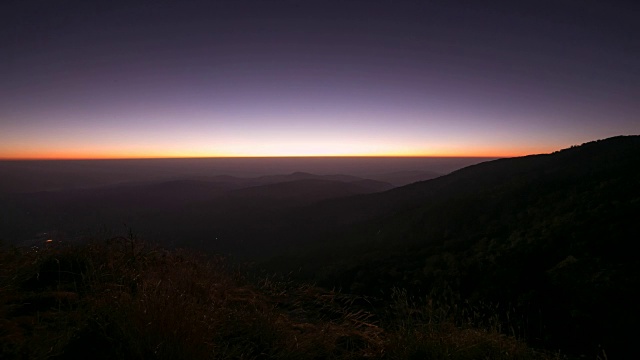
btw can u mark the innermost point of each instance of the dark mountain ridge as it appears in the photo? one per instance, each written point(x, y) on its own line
point(48, 175)
point(613, 156)
point(186, 209)
point(546, 238)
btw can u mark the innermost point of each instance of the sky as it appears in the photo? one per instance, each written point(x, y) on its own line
point(189, 78)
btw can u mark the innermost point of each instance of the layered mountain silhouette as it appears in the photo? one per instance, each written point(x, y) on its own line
point(544, 241)
point(186, 211)
point(547, 239)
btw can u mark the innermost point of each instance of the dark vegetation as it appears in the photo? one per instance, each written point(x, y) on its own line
point(474, 264)
point(121, 299)
point(545, 242)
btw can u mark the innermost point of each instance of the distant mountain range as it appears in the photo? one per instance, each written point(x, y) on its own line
point(401, 178)
point(544, 240)
point(183, 211)
point(54, 175)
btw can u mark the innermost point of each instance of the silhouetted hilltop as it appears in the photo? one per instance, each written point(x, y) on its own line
point(611, 157)
point(548, 239)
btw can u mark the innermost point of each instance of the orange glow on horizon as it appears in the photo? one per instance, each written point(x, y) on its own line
point(106, 155)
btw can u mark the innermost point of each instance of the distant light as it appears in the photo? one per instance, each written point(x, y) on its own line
point(49, 241)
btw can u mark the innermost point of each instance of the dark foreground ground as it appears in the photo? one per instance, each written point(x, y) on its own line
point(123, 299)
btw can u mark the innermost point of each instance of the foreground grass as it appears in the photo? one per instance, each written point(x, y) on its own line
point(123, 299)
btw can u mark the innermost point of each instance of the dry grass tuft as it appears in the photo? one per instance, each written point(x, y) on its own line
point(124, 299)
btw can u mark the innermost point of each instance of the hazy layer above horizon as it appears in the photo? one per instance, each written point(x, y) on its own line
point(44, 175)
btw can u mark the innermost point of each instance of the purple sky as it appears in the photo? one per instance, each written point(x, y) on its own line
point(293, 78)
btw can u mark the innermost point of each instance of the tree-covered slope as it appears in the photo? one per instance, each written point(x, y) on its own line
point(547, 239)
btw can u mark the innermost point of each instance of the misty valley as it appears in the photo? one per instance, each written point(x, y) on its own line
point(528, 257)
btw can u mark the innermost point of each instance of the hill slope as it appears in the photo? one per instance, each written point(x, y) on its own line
point(546, 238)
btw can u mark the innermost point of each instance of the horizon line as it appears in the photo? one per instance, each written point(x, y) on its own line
point(256, 157)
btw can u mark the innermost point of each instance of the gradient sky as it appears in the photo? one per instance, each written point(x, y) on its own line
point(85, 79)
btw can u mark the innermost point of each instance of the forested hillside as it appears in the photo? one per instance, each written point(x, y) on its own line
point(547, 241)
